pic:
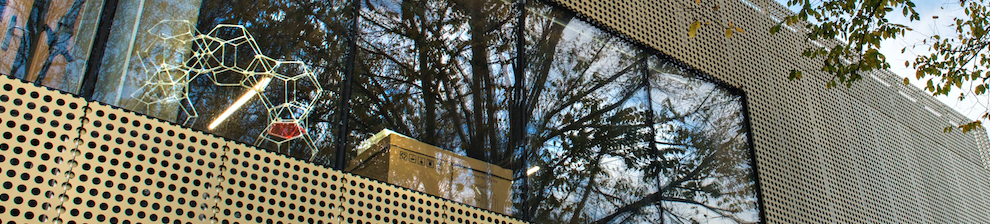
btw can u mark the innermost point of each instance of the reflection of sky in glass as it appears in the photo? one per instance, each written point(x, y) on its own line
point(688, 109)
point(712, 95)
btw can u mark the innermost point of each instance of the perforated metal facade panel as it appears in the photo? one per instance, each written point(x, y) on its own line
point(71, 161)
point(138, 168)
point(38, 145)
point(873, 153)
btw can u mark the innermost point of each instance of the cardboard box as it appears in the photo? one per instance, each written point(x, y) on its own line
point(393, 158)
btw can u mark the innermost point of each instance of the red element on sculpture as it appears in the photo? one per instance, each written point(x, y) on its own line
point(286, 130)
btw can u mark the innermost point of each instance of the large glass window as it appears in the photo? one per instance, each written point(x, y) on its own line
point(262, 73)
point(436, 70)
point(705, 166)
point(623, 135)
point(555, 119)
point(297, 62)
point(440, 71)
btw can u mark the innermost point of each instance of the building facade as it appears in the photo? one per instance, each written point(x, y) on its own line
point(207, 111)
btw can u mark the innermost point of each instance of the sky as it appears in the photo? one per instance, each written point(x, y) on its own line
point(945, 11)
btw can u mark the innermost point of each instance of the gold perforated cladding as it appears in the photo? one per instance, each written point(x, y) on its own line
point(137, 168)
point(71, 161)
point(39, 128)
point(261, 187)
point(873, 153)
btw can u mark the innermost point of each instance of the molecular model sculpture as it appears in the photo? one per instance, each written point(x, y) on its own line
point(229, 56)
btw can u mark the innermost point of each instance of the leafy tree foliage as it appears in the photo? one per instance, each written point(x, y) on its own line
point(957, 59)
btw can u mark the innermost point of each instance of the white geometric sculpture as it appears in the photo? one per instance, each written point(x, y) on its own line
point(170, 70)
point(164, 62)
point(287, 112)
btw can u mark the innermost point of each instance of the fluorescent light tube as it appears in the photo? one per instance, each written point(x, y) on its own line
point(532, 170)
point(240, 102)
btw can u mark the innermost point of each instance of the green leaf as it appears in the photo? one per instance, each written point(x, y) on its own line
point(775, 29)
point(795, 74)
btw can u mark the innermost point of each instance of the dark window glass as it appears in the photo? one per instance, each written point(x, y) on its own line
point(440, 72)
point(261, 73)
point(620, 135)
point(303, 44)
point(437, 71)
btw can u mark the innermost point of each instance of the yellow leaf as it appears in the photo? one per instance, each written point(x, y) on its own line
point(907, 82)
point(697, 1)
point(728, 32)
point(693, 30)
point(740, 30)
point(708, 23)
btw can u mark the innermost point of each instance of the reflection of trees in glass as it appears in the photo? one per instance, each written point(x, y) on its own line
point(702, 138)
point(308, 31)
point(594, 130)
point(699, 170)
point(437, 71)
point(441, 71)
